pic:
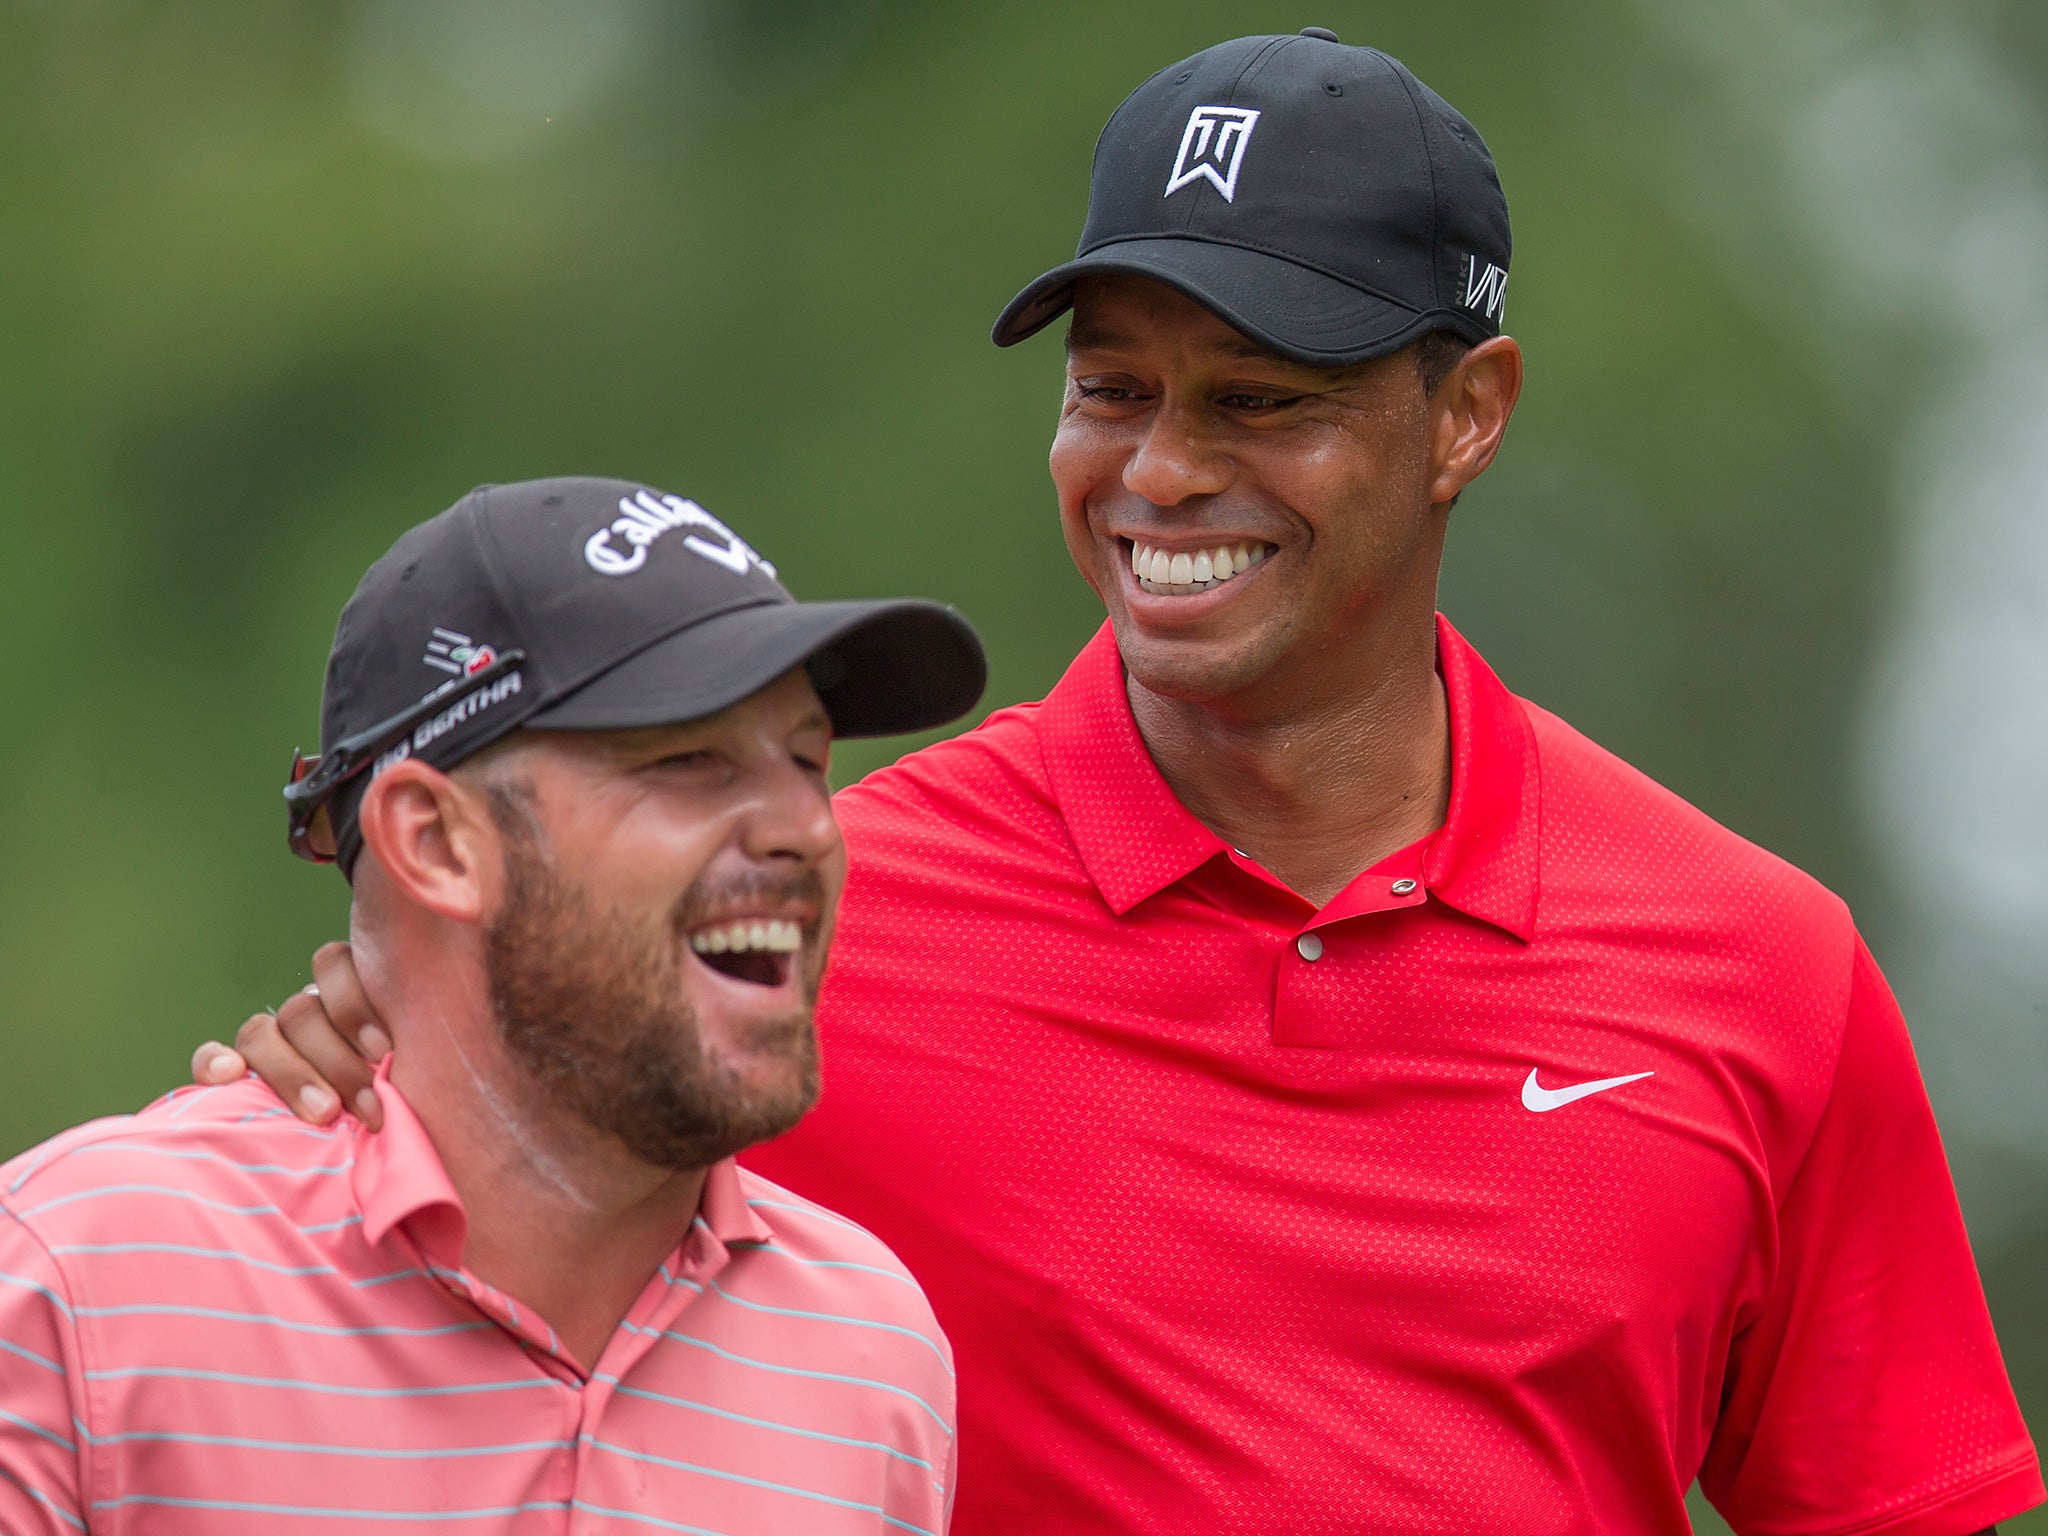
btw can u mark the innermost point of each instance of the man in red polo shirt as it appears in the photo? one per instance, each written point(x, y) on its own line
point(1321, 1091)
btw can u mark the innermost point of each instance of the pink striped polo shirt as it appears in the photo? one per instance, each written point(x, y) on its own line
point(215, 1319)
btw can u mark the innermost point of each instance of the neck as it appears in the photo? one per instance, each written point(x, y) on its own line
point(560, 1217)
point(1316, 784)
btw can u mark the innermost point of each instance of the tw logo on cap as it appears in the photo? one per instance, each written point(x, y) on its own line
point(1213, 146)
point(644, 517)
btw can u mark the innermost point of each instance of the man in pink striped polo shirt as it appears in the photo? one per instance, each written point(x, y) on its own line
point(574, 740)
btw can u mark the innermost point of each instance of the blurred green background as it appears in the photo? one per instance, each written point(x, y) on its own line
point(278, 281)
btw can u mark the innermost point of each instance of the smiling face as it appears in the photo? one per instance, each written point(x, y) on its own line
point(668, 901)
point(1182, 447)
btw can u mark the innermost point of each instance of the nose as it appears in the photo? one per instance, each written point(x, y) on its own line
point(791, 821)
point(1176, 459)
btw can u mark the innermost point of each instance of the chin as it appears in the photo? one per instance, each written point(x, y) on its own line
point(771, 1081)
point(779, 1089)
point(1195, 668)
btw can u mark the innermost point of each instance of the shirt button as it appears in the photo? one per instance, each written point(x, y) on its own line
point(1309, 946)
point(1402, 887)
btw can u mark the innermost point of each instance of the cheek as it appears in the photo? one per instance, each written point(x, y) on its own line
point(1086, 461)
point(1083, 456)
point(1079, 464)
point(1367, 483)
point(653, 860)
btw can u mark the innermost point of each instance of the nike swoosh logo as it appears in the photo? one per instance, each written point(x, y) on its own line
point(1539, 1099)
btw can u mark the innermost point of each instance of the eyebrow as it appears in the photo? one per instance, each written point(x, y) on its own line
point(1239, 348)
point(1244, 346)
point(1077, 339)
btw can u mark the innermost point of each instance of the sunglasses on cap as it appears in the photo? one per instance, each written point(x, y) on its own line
point(314, 780)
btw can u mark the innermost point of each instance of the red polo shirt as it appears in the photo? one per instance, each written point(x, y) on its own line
point(1509, 1200)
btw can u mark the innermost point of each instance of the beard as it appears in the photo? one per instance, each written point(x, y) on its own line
point(590, 1005)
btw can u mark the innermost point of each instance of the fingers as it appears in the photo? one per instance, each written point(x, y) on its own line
point(217, 1063)
point(341, 993)
point(324, 1056)
point(291, 1077)
point(312, 1050)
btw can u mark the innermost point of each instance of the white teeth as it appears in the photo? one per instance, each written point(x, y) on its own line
point(738, 938)
point(1177, 575)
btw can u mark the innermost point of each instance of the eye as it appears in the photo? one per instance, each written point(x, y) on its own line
point(696, 760)
point(1107, 392)
point(1245, 400)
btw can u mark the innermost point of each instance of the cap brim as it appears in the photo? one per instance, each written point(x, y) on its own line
point(881, 668)
point(1292, 310)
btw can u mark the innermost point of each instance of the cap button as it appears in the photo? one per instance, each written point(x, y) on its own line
point(1322, 32)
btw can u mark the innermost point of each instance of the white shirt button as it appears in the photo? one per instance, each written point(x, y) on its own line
point(1309, 946)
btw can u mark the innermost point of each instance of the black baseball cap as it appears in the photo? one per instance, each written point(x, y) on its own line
point(581, 604)
point(1316, 197)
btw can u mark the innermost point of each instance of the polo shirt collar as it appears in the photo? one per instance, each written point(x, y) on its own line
point(723, 1207)
point(398, 1178)
point(1484, 860)
point(1135, 838)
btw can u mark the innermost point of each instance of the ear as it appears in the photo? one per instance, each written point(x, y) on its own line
point(1469, 415)
point(434, 840)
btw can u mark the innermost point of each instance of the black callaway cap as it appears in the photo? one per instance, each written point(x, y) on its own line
point(1317, 198)
point(580, 604)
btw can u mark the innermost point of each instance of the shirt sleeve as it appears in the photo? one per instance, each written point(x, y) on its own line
point(42, 1479)
point(952, 1476)
point(1868, 1395)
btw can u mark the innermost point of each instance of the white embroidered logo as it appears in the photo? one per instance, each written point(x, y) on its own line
point(466, 708)
point(456, 653)
point(1486, 291)
point(644, 517)
point(1539, 1100)
point(1213, 146)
